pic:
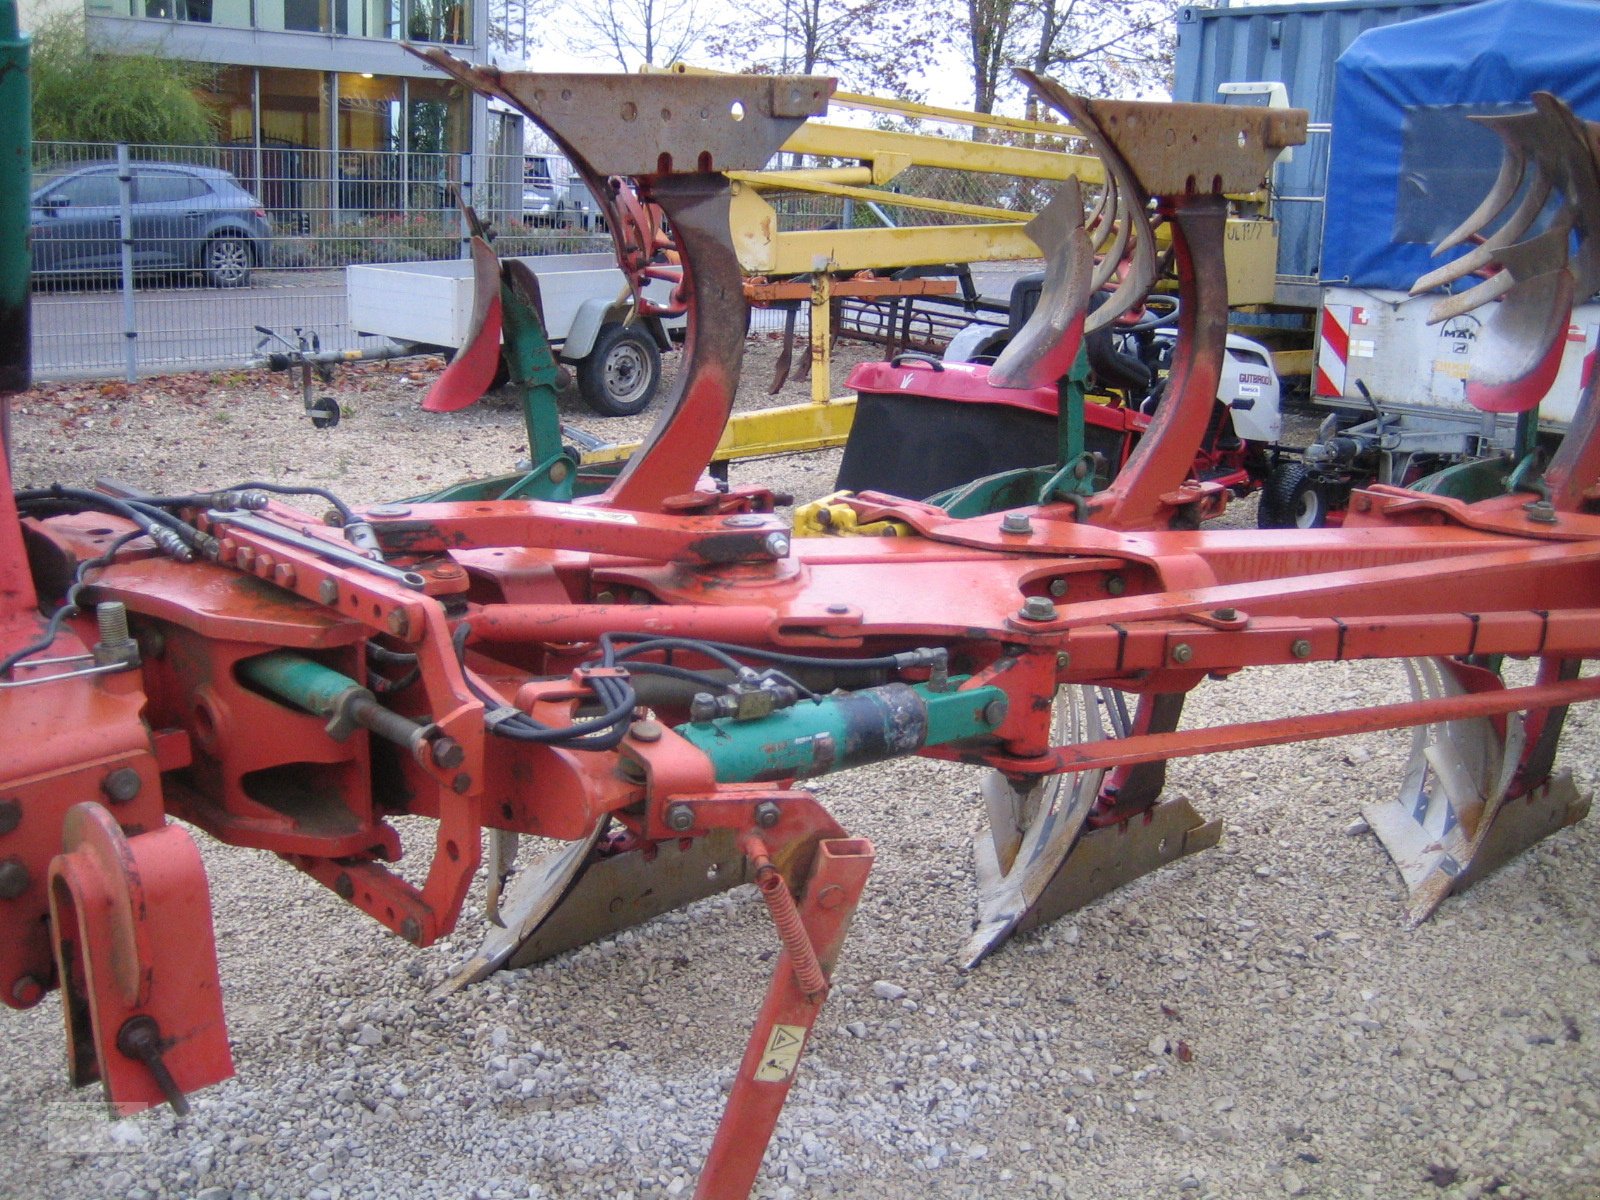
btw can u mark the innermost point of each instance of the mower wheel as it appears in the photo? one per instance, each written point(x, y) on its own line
point(1293, 499)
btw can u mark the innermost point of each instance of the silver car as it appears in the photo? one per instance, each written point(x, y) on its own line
point(184, 218)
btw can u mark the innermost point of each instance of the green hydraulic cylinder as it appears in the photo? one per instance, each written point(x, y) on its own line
point(16, 178)
point(848, 729)
point(347, 705)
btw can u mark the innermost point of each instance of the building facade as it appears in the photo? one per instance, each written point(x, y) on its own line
point(319, 103)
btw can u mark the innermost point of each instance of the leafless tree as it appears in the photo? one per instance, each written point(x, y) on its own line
point(634, 32)
point(871, 45)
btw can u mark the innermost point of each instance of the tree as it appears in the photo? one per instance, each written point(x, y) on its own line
point(1098, 47)
point(989, 46)
point(652, 32)
point(82, 96)
point(1103, 49)
point(871, 45)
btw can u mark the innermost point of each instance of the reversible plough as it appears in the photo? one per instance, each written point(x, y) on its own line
point(647, 672)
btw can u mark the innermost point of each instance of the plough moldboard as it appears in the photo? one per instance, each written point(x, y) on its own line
point(646, 673)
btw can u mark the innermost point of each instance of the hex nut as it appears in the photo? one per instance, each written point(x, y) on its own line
point(328, 592)
point(1182, 653)
point(1038, 608)
point(1015, 522)
point(680, 817)
point(767, 814)
point(1300, 648)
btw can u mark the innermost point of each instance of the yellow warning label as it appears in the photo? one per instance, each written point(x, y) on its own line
point(1456, 370)
point(782, 1054)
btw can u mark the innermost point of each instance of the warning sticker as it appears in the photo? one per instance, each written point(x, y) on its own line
point(782, 1054)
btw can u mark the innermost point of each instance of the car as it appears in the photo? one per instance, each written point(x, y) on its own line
point(554, 196)
point(185, 218)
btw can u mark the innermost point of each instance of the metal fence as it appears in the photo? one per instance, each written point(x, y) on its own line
point(150, 259)
point(158, 258)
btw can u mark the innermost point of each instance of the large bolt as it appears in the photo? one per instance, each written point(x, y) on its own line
point(14, 878)
point(1226, 614)
point(1016, 522)
point(10, 815)
point(1300, 648)
point(767, 814)
point(645, 731)
point(1115, 585)
point(680, 817)
point(446, 752)
point(1058, 588)
point(777, 545)
point(1182, 653)
point(116, 646)
point(1038, 608)
point(121, 785)
point(328, 592)
point(995, 711)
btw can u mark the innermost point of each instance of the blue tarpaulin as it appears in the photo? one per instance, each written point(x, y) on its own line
point(1406, 165)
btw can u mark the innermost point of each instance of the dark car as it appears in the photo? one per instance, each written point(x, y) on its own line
point(184, 219)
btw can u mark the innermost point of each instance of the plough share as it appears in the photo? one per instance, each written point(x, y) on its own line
point(646, 673)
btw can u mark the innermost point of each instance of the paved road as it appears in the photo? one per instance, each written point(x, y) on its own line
point(79, 332)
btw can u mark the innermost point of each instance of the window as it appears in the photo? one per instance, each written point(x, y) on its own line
point(90, 191)
point(1446, 165)
point(166, 187)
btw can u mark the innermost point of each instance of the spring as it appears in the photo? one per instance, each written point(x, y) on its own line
point(792, 933)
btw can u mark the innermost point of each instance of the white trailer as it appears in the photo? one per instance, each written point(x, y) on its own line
point(428, 305)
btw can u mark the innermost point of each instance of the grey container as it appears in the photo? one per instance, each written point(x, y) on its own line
point(1296, 45)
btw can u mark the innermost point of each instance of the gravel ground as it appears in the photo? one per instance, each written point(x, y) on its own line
point(1252, 1021)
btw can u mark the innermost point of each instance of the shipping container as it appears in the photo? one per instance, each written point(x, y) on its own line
point(1295, 45)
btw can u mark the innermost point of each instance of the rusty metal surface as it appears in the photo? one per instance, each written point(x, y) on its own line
point(1044, 348)
point(1185, 149)
point(655, 124)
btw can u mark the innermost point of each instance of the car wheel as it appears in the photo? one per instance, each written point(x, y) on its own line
point(1293, 499)
point(228, 261)
point(620, 375)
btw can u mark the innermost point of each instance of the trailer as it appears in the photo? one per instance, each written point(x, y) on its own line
point(586, 307)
